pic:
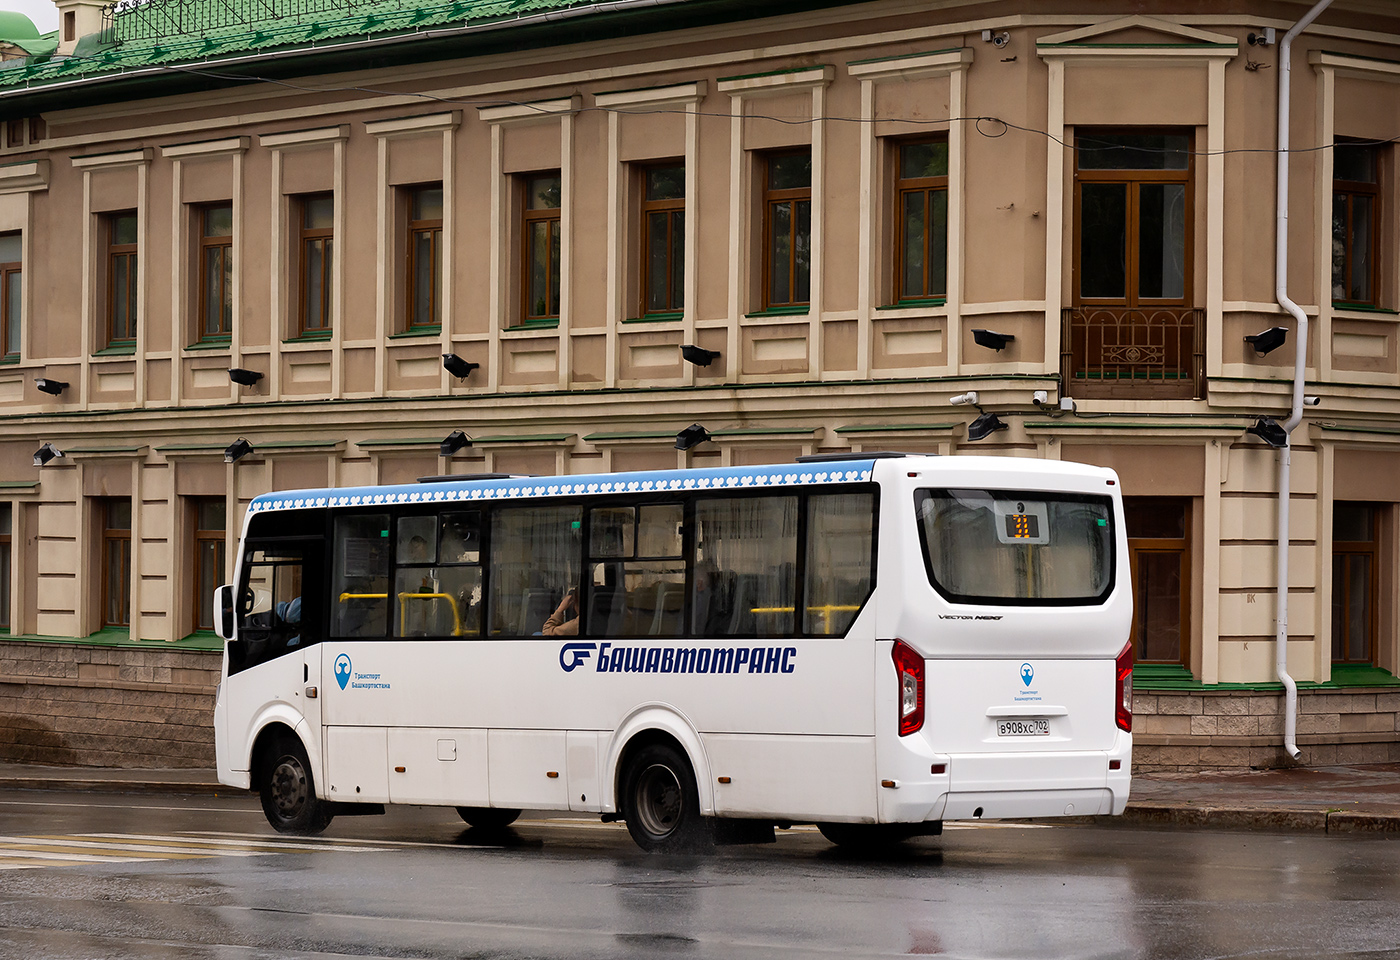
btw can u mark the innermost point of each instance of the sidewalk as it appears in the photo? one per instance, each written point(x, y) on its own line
point(1341, 799)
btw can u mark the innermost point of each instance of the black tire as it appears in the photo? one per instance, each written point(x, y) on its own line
point(488, 818)
point(288, 790)
point(661, 804)
point(868, 836)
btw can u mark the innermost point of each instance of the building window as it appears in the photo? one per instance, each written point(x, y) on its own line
point(424, 307)
point(1355, 224)
point(787, 230)
point(121, 278)
point(541, 229)
point(210, 524)
point(316, 248)
point(1133, 327)
point(215, 271)
point(663, 239)
point(38, 130)
point(1159, 548)
point(6, 528)
point(1355, 552)
point(921, 239)
point(116, 563)
point(11, 293)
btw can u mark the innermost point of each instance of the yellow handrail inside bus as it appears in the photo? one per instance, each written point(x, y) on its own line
point(826, 610)
point(456, 614)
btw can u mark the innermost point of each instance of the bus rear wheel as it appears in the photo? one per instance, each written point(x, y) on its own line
point(661, 803)
point(288, 790)
point(488, 818)
point(869, 836)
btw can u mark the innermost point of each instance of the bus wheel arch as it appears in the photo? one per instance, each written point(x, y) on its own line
point(286, 784)
point(656, 723)
point(658, 795)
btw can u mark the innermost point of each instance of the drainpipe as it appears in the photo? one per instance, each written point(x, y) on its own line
point(1290, 704)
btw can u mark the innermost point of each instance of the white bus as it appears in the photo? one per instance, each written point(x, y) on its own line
point(873, 644)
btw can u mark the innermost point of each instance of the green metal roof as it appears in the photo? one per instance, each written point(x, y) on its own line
point(169, 32)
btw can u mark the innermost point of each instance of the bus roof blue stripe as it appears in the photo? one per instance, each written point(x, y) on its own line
point(522, 488)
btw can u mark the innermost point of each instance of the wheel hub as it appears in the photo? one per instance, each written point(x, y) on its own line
point(288, 786)
point(659, 800)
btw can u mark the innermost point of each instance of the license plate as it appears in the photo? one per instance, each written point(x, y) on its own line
point(1033, 727)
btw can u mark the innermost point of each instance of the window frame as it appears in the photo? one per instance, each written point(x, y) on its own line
point(1180, 546)
point(306, 236)
point(554, 218)
point(7, 565)
point(1352, 189)
point(1134, 179)
point(793, 196)
point(11, 326)
point(200, 537)
point(928, 186)
point(130, 254)
point(1343, 550)
point(413, 229)
point(115, 537)
point(670, 208)
point(224, 244)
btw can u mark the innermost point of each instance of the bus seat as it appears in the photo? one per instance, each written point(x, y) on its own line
point(607, 607)
point(536, 604)
point(666, 620)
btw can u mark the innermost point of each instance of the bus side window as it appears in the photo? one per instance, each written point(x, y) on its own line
point(638, 573)
point(535, 556)
point(840, 541)
point(750, 544)
point(273, 614)
point(360, 580)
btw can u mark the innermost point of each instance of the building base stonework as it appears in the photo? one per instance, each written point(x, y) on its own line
point(77, 704)
point(1231, 729)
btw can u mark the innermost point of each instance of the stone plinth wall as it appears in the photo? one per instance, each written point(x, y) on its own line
point(80, 704)
point(1194, 730)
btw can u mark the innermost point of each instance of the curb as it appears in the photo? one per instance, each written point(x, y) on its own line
point(1229, 817)
point(142, 787)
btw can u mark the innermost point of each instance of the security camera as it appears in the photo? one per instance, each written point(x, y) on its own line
point(1040, 398)
point(1312, 401)
point(964, 398)
point(998, 40)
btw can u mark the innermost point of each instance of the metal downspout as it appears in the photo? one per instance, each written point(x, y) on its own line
point(1290, 710)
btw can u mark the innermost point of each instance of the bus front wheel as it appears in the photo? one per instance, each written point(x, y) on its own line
point(288, 790)
point(661, 803)
point(488, 818)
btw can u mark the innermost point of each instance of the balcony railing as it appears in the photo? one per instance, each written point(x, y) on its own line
point(1133, 352)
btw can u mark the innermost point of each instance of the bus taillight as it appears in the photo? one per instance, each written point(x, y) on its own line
point(909, 667)
point(1123, 669)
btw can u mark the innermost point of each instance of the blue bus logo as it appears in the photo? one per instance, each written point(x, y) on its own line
point(1027, 673)
point(342, 670)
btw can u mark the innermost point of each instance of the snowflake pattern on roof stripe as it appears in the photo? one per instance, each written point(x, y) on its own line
point(521, 488)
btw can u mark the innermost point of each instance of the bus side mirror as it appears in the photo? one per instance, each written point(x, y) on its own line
point(223, 606)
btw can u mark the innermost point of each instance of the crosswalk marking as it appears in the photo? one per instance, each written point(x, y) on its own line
point(48, 850)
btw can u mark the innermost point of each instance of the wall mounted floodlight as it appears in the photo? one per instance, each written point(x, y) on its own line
point(244, 378)
point(984, 426)
point(698, 355)
point(237, 450)
point(46, 453)
point(453, 442)
point(991, 339)
point(1268, 430)
point(691, 436)
point(459, 368)
point(1268, 341)
point(964, 398)
point(52, 387)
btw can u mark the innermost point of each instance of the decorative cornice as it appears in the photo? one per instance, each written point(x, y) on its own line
point(24, 177)
point(412, 126)
point(530, 112)
point(297, 139)
point(653, 96)
point(126, 158)
point(207, 148)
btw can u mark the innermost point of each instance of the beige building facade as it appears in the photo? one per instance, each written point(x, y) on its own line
point(860, 211)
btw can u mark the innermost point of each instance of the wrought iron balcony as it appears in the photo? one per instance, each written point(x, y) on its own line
point(1133, 352)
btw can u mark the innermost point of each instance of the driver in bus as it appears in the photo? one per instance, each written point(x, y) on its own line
point(559, 623)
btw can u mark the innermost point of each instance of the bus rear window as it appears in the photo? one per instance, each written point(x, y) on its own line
point(1027, 548)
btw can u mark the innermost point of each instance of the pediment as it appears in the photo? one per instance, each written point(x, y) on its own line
point(1137, 31)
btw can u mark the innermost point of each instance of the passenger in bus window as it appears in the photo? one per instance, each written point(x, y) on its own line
point(560, 624)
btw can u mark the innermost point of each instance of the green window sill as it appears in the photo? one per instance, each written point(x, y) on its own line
point(909, 304)
point(801, 310)
point(117, 350)
point(657, 317)
point(1364, 308)
point(548, 324)
point(317, 337)
point(424, 331)
point(212, 343)
point(5, 361)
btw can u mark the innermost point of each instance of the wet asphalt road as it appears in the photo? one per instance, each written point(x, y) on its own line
point(416, 883)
